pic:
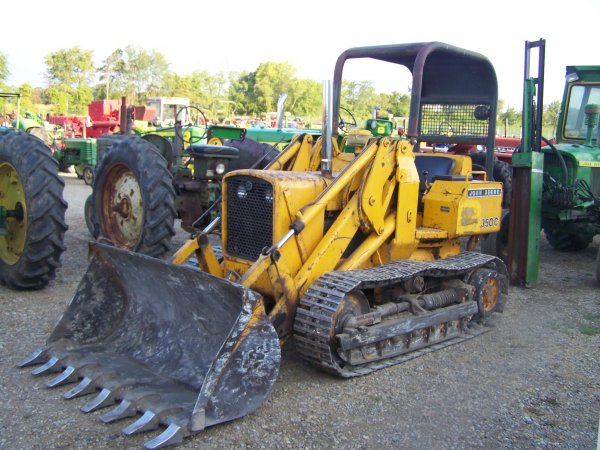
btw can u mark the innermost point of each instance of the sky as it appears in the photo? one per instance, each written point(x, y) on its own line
point(234, 35)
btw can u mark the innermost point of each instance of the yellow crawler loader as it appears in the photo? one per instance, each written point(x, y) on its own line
point(360, 248)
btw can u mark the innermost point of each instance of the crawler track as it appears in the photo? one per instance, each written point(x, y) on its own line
point(314, 319)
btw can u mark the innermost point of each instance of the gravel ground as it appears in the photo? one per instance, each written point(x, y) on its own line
point(532, 382)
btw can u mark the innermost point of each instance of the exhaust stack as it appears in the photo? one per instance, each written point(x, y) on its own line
point(327, 128)
point(280, 103)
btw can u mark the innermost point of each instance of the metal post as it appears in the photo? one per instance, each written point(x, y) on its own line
point(528, 171)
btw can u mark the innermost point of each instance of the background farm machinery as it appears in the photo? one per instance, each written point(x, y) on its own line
point(80, 141)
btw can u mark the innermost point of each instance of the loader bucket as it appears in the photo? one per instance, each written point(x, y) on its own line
point(184, 349)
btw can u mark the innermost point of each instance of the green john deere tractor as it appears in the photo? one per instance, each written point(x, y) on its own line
point(28, 122)
point(32, 211)
point(571, 186)
point(561, 178)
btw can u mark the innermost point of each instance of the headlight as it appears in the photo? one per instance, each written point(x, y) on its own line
point(269, 196)
point(220, 169)
point(242, 193)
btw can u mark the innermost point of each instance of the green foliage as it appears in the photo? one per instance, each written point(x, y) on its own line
point(256, 93)
point(270, 81)
point(111, 71)
point(359, 97)
point(511, 116)
point(26, 92)
point(304, 99)
point(550, 114)
point(133, 72)
point(395, 104)
point(138, 73)
point(69, 73)
point(4, 72)
point(201, 87)
point(241, 93)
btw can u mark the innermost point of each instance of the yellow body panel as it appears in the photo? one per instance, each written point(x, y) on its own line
point(463, 207)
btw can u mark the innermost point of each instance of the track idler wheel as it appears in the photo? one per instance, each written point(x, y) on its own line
point(489, 287)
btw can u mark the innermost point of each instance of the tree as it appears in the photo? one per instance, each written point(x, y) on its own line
point(142, 72)
point(511, 116)
point(204, 89)
point(112, 69)
point(359, 97)
point(4, 72)
point(306, 98)
point(396, 104)
point(241, 92)
point(69, 73)
point(26, 101)
point(270, 81)
point(550, 114)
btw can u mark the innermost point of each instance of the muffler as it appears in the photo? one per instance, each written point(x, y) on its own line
point(183, 348)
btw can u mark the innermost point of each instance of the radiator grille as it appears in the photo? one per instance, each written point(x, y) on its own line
point(450, 120)
point(249, 216)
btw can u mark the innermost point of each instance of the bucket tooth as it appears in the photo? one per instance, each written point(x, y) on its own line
point(36, 357)
point(105, 398)
point(69, 375)
point(173, 435)
point(85, 387)
point(53, 365)
point(124, 410)
point(149, 421)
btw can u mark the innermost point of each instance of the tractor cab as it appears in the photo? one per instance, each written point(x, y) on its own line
point(167, 109)
point(582, 93)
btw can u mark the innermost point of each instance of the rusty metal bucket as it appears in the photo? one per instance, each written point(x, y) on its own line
point(184, 349)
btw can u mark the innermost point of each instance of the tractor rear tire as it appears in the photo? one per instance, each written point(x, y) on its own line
point(566, 241)
point(90, 221)
point(39, 133)
point(133, 199)
point(502, 173)
point(33, 192)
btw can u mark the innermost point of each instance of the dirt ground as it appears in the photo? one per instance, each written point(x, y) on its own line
point(533, 381)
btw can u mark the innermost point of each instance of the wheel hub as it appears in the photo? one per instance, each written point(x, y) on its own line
point(490, 293)
point(12, 201)
point(123, 208)
point(123, 205)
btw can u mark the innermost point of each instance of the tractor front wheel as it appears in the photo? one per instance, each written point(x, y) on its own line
point(88, 175)
point(133, 200)
point(33, 212)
